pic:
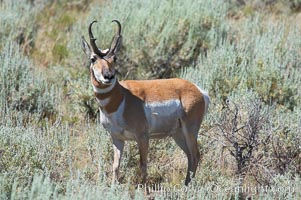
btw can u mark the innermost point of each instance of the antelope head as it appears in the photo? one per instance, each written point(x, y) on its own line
point(102, 61)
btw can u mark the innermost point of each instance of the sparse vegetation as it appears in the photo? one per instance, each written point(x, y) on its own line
point(246, 54)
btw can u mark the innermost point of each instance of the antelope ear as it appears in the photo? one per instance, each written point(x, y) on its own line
point(86, 47)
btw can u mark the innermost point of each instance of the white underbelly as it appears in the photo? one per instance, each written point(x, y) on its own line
point(163, 117)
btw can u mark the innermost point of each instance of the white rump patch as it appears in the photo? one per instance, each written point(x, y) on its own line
point(206, 97)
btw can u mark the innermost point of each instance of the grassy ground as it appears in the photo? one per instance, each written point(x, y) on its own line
point(246, 54)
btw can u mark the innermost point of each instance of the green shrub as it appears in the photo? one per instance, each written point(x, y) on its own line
point(285, 144)
point(23, 89)
point(60, 52)
point(167, 35)
point(259, 60)
point(18, 24)
point(277, 6)
point(236, 53)
point(27, 151)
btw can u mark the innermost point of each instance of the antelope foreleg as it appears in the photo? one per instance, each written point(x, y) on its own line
point(118, 149)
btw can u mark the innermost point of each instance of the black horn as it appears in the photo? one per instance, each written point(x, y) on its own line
point(116, 40)
point(92, 42)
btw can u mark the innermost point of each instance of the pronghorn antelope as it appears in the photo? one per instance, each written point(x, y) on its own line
point(140, 110)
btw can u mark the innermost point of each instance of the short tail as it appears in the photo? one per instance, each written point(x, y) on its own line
point(206, 98)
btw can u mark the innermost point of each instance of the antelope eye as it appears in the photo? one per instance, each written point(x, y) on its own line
point(93, 59)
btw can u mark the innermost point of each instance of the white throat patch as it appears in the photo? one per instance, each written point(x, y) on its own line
point(103, 102)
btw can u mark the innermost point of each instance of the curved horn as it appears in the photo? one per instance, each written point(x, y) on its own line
point(116, 40)
point(92, 41)
point(119, 26)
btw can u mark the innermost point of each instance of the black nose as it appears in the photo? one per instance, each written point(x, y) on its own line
point(108, 75)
